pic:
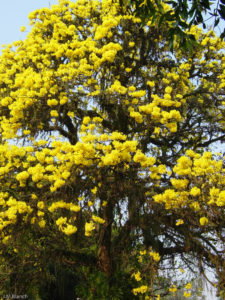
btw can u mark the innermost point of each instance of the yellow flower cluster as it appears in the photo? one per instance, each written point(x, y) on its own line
point(179, 222)
point(173, 289)
point(144, 161)
point(187, 294)
point(155, 256)
point(89, 227)
point(68, 229)
point(195, 168)
point(11, 207)
point(140, 290)
point(62, 204)
point(98, 219)
point(203, 221)
point(137, 276)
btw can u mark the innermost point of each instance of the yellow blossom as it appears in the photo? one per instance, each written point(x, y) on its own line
point(23, 28)
point(195, 191)
point(188, 286)
point(203, 221)
point(137, 276)
point(141, 290)
point(187, 294)
point(89, 227)
point(42, 223)
point(173, 289)
point(40, 204)
point(98, 219)
point(155, 256)
point(179, 222)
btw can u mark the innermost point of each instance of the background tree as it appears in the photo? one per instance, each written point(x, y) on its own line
point(107, 181)
point(182, 14)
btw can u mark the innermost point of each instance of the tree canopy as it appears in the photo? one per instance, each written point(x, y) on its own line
point(109, 185)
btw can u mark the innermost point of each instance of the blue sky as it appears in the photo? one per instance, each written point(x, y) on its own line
point(14, 14)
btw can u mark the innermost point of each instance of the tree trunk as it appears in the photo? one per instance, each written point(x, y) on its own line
point(104, 252)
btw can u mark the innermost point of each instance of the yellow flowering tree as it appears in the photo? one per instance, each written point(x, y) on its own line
point(106, 170)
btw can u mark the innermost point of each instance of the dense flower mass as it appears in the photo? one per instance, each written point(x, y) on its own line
point(105, 146)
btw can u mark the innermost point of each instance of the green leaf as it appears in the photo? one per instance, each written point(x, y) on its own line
point(222, 11)
point(205, 4)
point(217, 20)
point(222, 36)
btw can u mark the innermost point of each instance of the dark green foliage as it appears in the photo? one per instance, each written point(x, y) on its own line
point(183, 15)
point(95, 285)
point(61, 286)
